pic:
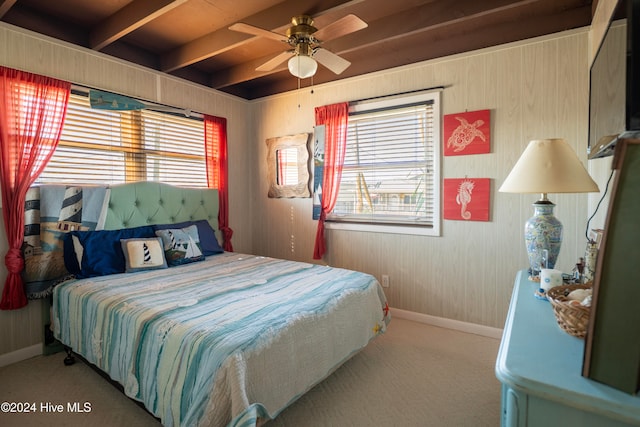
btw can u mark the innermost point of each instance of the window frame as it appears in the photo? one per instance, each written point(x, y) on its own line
point(335, 222)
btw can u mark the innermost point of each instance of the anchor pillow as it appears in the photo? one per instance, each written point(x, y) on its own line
point(181, 245)
point(143, 254)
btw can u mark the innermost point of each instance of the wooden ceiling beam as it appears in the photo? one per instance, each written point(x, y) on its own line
point(129, 18)
point(242, 73)
point(5, 5)
point(276, 18)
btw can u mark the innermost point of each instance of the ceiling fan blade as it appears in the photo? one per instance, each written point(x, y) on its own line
point(341, 27)
point(331, 60)
point(256, 31)
point(275, 61)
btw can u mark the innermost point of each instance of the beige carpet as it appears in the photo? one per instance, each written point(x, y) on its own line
point(413, 375)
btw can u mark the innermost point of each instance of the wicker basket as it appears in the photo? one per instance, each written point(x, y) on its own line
point(573, 319)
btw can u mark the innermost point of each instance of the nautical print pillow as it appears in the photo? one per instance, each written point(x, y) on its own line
point(181, 245)
point(208, 240)
point(143, 254)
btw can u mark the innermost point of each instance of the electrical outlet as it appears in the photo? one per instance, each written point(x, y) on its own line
point(385, 281)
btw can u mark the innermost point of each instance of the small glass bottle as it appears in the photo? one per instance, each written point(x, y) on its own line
point(578, 271)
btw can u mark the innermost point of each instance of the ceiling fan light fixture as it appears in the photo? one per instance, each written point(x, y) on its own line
point(302, 66)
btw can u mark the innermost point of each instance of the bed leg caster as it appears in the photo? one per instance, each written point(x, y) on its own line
point(69, 360)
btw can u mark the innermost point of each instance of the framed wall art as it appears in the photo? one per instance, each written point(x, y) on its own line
point(467, 199)
point(467, 133)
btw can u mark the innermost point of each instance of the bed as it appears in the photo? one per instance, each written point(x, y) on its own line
point(227, 339)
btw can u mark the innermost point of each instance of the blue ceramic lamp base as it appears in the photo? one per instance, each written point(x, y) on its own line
point(543, 237)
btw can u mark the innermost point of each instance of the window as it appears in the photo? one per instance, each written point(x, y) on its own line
point(105, 147)
point(391, 180)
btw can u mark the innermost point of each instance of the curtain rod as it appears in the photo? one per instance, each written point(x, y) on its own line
point(426, 90)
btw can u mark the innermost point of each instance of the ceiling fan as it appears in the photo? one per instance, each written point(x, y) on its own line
point(305, 40)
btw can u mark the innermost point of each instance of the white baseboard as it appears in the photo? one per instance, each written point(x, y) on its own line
point(20, 355)
point(472, 328)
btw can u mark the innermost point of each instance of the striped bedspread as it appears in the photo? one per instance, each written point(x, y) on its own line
point(232, 340)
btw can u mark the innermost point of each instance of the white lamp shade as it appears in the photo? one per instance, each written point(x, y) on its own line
point(548, 166)
point(302, 66)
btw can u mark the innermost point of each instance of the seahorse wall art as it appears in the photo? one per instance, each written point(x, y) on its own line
point(467, 199)
point(465, 189)
point(467, 133)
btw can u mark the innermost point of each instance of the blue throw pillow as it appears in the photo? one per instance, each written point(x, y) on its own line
point(70, 256)
point(208, 240)
point(101, 250)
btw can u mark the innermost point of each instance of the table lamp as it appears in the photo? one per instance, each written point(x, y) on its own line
point(546, 166)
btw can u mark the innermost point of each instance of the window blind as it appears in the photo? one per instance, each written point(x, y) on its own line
point(388, 174)
point(106, 147)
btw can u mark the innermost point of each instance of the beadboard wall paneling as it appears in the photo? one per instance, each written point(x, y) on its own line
point(534, 89)
point(39, 54)
point(599, 24)
point(18, 328)
point(600, 170)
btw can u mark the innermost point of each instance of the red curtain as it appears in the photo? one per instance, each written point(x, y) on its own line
point(31, 120)
point(215, 145)
point(334, 117)
point(281, 166)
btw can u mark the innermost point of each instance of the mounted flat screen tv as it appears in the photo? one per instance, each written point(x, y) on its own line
point(614, 83)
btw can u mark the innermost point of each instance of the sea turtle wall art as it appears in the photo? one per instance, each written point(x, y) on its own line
point(467, 133)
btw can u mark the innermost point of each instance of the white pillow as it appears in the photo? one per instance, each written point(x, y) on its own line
point(143, 253)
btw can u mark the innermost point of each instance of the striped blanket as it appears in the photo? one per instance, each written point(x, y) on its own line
point(232, 340)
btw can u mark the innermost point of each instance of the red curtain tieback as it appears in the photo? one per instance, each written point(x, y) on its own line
point(14, 261)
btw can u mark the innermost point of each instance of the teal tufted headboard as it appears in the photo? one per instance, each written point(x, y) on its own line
point(146, 203)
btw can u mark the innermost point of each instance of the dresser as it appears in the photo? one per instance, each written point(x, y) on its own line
point(539, 366)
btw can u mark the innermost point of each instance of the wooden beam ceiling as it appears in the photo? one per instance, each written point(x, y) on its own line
point(5, 5)
point(437, 23)
point(399, 32)
point(129, 18)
